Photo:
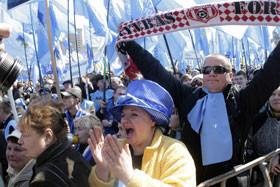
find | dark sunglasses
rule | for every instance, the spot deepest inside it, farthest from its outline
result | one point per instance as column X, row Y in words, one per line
column 216, row 69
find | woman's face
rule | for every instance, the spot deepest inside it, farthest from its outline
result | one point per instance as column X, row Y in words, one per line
column 274, row 100
column 33, row 143
column 82, row 133
column 15, row 156
column 138, row 126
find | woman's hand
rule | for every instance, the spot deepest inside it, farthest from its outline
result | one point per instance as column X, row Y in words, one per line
column 118, row 158
column 275, row 166
column 96, row 143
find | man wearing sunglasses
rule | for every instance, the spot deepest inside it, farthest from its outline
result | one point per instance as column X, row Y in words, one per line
column 215, row 119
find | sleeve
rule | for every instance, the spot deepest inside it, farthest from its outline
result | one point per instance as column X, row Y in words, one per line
column 177, row 169
column 95, row 181
column 152, row 69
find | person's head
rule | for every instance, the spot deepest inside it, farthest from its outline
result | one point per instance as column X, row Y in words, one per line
column 100, row 82
column 216, row 73
column 71, row 98
column 174, row 120
column 41, row 126
column 47, row 91
column 145, row 106
column 67, row 84
column 37, row 88
column 194, row 72
column 20, row 86
column 197, row 81
column 186, row 79
column 241, row 79
column 253, row 73
column 82, row 126
column 233, row 80
column 15, row 156
column 5, row 110
column 116, row 82
column 49, row 82
column 274, row 101
column 120, row 90
column 90, row 76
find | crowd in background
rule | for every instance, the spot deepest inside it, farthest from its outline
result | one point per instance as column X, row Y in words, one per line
column 88, row 110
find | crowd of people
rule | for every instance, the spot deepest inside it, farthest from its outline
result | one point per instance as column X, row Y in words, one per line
column 160, row 129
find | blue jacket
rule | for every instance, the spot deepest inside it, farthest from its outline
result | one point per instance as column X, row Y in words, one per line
column 70, row 119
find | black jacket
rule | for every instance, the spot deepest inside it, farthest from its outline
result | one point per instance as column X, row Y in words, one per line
column 241, row 105
column 60, row 165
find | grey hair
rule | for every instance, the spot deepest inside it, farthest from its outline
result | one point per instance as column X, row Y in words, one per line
column 88, row 122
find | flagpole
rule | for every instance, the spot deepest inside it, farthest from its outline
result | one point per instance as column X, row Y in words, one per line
column 76, row 42
column 194, row 49
column 265, row 49
column 249, row 53
column 28, row 71
column 89, row 27
column 105, row 54
column 69, row 50
column 243, row 48
column 36, row 53
column 51, row 50
column 168, row 49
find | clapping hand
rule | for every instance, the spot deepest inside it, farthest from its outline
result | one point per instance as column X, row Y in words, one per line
column 96, row 143
column 118, row 158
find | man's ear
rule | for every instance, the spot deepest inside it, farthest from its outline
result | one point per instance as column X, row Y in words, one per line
column 230, row 75
column 77, row 100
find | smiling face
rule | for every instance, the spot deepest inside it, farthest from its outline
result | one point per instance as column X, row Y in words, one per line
column 241, row 80
column 15, row 156
column 274, row 100
column 216, row 82
column 138, row 127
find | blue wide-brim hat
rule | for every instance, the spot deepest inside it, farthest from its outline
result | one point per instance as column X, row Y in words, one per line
column 151, row 97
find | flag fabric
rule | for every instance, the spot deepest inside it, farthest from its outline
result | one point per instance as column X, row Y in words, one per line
column 60, row 13
column 14, row 44
column 14, row 3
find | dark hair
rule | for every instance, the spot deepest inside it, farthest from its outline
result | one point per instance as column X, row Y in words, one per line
column 12, row 139
column 44, row 112
column 241, row 73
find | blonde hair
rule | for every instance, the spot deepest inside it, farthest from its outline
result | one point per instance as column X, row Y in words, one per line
column 44, row 112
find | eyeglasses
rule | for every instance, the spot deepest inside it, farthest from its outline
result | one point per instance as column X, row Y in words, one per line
column 216, row 69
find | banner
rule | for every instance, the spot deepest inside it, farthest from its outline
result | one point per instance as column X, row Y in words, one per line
column 227, row 13
column 14, row 3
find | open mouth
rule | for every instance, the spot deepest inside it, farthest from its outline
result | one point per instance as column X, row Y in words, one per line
column 129, row 132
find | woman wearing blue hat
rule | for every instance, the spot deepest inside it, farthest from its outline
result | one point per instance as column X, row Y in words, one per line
column 145, row 157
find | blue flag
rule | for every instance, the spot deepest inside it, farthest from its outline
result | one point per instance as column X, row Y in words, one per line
column 14, row 3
